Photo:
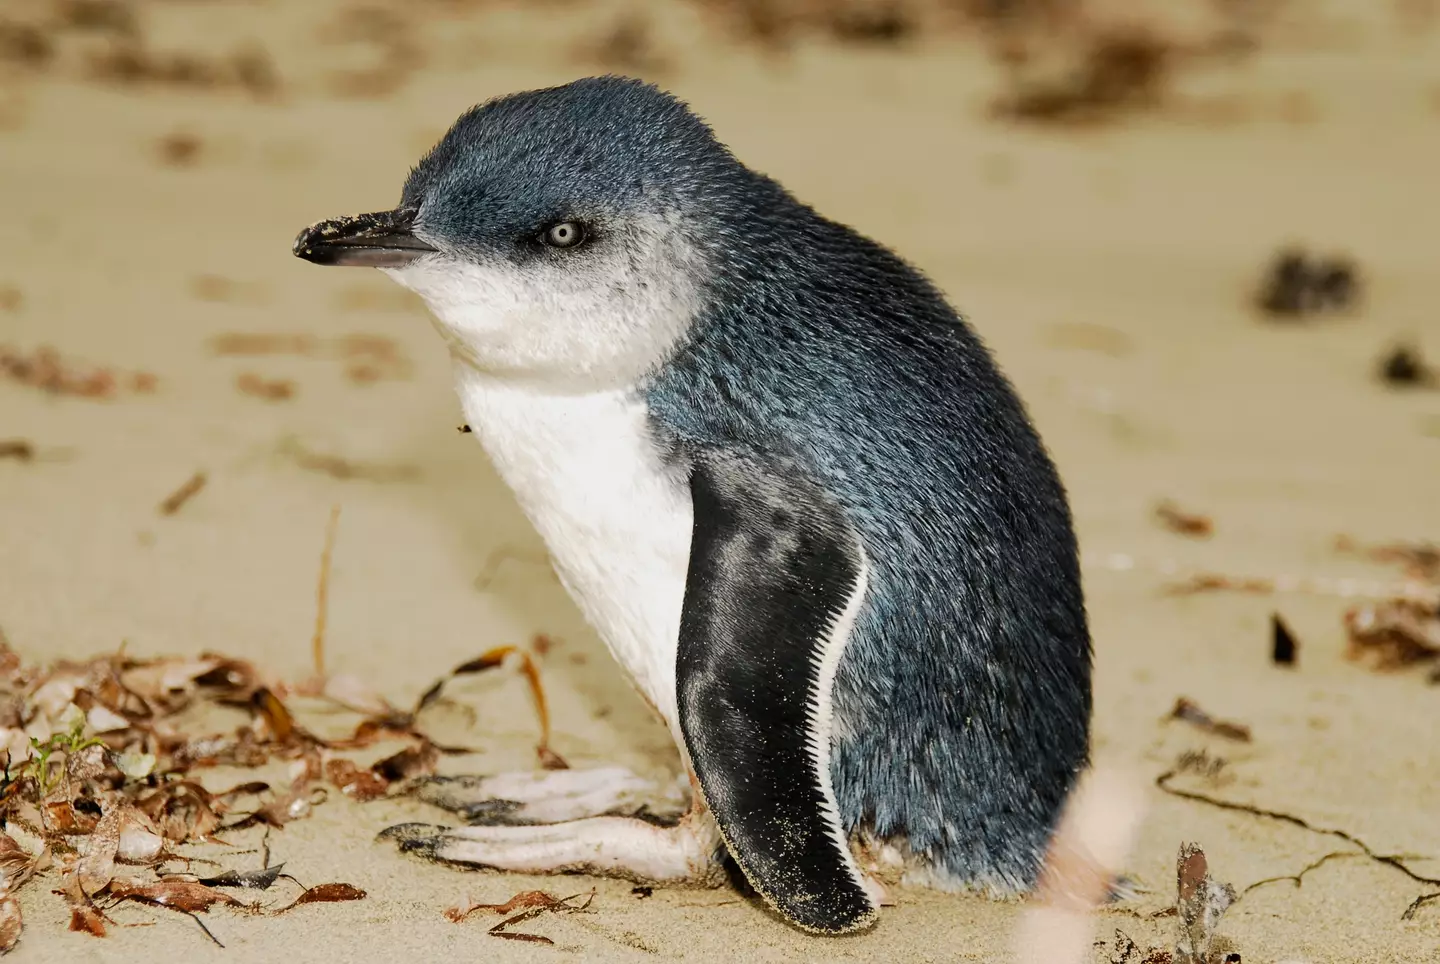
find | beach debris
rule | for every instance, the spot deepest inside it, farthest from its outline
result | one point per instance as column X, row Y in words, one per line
column 322, row 594
column 1298, row 285
column 1404, row 367
column 530, row 904
column 269, row 389
column 1110, row 72
column 339, row 467
column 1190, row 712
column 179, row 149
column 1165, row 783
column 366, row 358
column 102, row 780
column 642, row 891
column 46, row 370
column 1419, row 560
column 262, row 879
column 17, row 448
column 779, row 25
column 1178, row 520
column 190, row 488
column 464, row 430
column 325, row 894
column 1393, row 634
column 1201, row 902
column 628, row 44
column 1284, row 647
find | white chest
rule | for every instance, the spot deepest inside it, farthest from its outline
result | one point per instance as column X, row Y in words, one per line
column 616, row 524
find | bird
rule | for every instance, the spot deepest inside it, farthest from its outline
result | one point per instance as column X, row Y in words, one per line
column 786, row 483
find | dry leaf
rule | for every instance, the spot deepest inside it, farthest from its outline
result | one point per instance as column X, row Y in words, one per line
column 1187, row 710
column 249, row 880
column 354, row 782
column 325, row 894
column 1200, row 903
column 97, row 867
column 11, row 923
column 184, row 895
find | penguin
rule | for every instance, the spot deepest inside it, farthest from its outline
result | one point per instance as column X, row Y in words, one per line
column 786, row 483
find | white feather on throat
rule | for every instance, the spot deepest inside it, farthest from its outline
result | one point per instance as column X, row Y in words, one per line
column 547, row 356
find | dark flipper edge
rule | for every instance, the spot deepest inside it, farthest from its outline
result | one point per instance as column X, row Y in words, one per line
column 776, row 577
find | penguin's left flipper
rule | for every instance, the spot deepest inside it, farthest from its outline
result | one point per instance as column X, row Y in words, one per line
column 776, row 578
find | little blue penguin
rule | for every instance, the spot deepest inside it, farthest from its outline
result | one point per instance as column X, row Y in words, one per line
column 784, row 481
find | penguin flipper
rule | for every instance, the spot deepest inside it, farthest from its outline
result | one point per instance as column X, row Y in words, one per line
column 776, row 576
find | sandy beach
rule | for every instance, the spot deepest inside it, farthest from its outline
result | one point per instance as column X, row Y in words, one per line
column 1111, row 267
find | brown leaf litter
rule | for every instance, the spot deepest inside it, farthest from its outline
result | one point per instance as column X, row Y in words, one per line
column 1299, row 285
column 106, row 40
column 1396, row 627
column 346, row 469
column 1190, row 763
column 105, row 759
column 1183, row 522
column 190, row 488
column 45, row 369
column 1200, row 902
column 22, row 450
column 367, row 358
column 1190, row 712
column 531, row 904
column 269, row 389
column 1403, row 366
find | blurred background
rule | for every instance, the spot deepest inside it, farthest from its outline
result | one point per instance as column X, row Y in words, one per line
column 1200, row 235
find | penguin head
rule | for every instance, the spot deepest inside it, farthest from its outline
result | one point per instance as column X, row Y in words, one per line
column 560, row 233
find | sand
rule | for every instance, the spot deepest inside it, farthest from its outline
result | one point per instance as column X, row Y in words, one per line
column 1110, row 270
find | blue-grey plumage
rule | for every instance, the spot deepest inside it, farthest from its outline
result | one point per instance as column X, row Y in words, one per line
column 767, row 425
column 962, row 703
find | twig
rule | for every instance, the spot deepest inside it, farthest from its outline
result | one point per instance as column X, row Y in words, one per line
column 177, row 499
column 1298, row 877
column 322, row 594
column 1417, row 903
column 196, row 918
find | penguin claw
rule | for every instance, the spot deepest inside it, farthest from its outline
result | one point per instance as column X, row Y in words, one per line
column 622, row 847
column 532, row 798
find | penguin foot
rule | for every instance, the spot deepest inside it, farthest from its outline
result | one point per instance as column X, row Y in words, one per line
column 525, row 798
column 691, row 851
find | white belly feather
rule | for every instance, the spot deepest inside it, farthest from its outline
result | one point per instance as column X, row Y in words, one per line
column 616, row 524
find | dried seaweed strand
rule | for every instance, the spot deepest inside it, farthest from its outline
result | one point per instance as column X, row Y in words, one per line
column 322, row 594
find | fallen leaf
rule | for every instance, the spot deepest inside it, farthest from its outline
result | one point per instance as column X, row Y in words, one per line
column 11, row 923
column 189, row 896
column 325, row 894
column 1187, row 710
column 409, row 763
column 1393, row 634
column 354, row 782
column 1200, row 903
column 249, row 880
column 97, row 867
column 1284, row 646
column 1185, row 523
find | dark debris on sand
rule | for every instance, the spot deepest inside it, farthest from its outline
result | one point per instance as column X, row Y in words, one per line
column 103, row 759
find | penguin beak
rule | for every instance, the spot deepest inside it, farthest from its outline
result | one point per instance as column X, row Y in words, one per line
column 384, row 239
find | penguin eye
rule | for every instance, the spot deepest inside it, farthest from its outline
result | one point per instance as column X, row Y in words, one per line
column 566, row 234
